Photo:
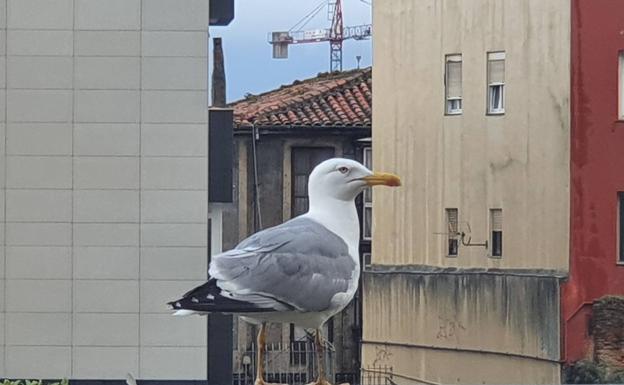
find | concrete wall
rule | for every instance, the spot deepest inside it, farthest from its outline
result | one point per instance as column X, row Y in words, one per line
column 445, row 367
column 481, row 322
column 104, row 184
column 518, row 161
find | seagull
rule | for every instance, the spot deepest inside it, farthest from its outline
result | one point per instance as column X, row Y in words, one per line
column 303, row 271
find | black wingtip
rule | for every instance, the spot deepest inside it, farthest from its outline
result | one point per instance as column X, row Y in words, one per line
column 207, row 298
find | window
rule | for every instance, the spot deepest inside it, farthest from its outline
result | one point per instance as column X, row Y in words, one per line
column 621, row 86
column 620, row 225
column 367, row 257
column 496, row 82
column 453, row 83
column 453, row 232
column 496, row 237
column 304, row 159
column 367, row 206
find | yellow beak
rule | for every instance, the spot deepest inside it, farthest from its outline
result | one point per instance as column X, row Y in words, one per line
column 382, row 178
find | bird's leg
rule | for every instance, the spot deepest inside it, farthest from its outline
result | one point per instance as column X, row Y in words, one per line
column 260, row 355
column 320, row 357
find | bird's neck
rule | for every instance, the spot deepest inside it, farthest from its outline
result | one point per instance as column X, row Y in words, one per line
column 338, row 216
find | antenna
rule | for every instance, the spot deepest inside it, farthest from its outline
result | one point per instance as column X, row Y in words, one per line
column 464, row 234
column 335, row 35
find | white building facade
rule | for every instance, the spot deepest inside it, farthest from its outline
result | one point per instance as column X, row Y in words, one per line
column 103, row 206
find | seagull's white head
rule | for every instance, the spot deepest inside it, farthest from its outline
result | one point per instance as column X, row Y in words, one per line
column 344, row 179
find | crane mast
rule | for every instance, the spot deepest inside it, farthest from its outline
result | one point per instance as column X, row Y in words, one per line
column 335, row 35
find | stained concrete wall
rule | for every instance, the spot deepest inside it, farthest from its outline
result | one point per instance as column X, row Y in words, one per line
column 483, row 323
column 104, row 172
column 446, row 367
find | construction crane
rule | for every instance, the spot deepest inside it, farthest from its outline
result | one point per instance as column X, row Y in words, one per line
column 335, row 35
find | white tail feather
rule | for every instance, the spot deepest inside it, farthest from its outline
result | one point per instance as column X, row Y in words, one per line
column 184, row 313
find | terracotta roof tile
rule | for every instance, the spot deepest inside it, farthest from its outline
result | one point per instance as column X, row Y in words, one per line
column 332, row 100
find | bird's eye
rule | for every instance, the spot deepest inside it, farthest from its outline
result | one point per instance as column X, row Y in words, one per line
column 343, row 170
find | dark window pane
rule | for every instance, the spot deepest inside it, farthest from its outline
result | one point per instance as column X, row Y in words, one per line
column 497, row 243
column 300, row 187
column 621, row 225
column 300, row 161
column 304, row 159
column 453, row 245
column 368, row 222
column 368, row 195
column 300, row 206
column 452, row 228
column 368, row 158
column 496, row 98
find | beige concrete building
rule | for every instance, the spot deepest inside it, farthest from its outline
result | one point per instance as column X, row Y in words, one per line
column 103, row 151
column 471, row 108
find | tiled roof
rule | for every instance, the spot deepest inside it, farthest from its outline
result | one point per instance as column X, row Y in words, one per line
column 340, row 99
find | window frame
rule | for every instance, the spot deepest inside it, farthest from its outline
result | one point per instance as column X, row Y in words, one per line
column 619, row 225
column 492, row 56
column 450, row 236
column 303, row 151
column 491, row 109
column 367, row 160
column 448, row 59
column 621, row 85
column 492, row 235
column 367, row 260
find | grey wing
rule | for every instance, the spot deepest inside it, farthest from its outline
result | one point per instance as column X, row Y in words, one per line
column 299, row 265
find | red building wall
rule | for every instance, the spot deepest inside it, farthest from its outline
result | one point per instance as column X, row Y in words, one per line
column 597, row 166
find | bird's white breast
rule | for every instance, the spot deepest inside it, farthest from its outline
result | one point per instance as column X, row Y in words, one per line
column 342, row 220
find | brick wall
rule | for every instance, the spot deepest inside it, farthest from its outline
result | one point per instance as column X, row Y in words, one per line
column 608, row 331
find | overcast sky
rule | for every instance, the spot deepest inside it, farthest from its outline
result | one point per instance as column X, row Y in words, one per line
column 249, row 67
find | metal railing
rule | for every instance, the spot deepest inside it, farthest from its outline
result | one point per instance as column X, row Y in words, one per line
column 293, row 363
column 377, row 375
